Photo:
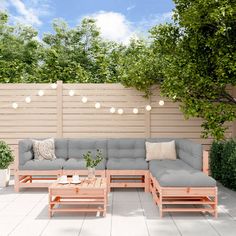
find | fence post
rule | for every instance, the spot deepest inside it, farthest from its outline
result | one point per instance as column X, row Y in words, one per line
column 148, row 119
column 59, row 109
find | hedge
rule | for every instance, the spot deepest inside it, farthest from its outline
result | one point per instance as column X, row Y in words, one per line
column 223, row 162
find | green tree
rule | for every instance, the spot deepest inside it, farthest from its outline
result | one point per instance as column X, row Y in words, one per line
column 18, row 52
column 196, row 57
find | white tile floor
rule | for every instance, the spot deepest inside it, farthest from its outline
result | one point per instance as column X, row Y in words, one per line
column 130, row 213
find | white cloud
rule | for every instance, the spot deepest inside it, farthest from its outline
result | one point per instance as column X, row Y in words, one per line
column 130, row 7
column 26, row 15
column 27, row 12
column 156, row 19
column 114, row 26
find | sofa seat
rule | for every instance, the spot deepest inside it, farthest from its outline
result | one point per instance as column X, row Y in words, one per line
column 56, row 164
column 176, row 173
column 127, row 164
column 79, row 164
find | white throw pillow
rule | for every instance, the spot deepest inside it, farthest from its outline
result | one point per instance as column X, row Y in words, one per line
column 160, row 151
column 44, row 149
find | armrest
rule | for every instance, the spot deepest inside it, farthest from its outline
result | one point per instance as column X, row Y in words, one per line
column 205, row 162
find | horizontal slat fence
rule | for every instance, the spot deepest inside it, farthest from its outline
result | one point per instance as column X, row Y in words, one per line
column 57, row 114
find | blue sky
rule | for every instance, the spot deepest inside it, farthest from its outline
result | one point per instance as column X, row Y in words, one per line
column 118, row 19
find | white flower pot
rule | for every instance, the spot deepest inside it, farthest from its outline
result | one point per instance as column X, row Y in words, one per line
column 4, row 177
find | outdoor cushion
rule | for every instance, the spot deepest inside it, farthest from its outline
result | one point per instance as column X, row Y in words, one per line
column 25, row 151
column 127, row 164
column 44, row 149
column 61, row 148
column 176, row 173
column 43, row 165
column 160, row 151
column 79, row 164
column 186, row 150
column 78, row 147
column 126, row 148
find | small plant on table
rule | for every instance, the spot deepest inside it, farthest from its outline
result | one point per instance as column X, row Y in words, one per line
column 91, row 162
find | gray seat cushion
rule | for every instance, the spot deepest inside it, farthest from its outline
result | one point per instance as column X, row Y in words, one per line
column 61, row 148
column 79, row 164
column 78, row 147
column 126, row 148
column 176, row 173
column 56, row 164
column 127, row 164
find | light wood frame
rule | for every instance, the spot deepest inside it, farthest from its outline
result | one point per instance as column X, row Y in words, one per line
column 27, row 178
column 118, row 175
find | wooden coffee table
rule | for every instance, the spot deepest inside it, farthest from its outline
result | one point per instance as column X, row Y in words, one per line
column 88, row 196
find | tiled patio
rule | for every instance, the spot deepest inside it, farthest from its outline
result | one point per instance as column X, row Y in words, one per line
column 130, row 212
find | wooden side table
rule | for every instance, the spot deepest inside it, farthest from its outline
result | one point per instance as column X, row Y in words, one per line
column 88, row 193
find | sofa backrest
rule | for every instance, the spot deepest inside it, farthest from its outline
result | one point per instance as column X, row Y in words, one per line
column 26, row 149
column 126, row 148
column 78, row 147
column 188, row 151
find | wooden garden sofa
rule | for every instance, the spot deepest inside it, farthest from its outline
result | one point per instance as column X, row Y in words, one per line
column 183, row 185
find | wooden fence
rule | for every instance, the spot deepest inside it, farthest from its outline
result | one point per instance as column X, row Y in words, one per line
column 57, row 114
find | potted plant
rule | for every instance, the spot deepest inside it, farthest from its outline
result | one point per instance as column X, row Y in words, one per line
column 6, row 158
column 91, row 162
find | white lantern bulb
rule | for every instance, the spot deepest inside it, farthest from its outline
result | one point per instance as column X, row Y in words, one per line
column 28, row 99
column 71, row 93
column 40, row 93
column 84, row 99
column 112, row 110
column 135, row 110
column 148, row 108
column 14, row 105
column 97, row 105
column 161, row 103
column 54, row 86
column 120, row 111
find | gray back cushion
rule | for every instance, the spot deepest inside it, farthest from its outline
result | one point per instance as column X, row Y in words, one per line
column 25, row 149
column 126, row 148
column 78, row 147
column 61, row 148
column 188, row 151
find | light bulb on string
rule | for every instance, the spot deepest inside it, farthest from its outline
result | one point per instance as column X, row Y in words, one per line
column 135, row 110
column 14, row 105
column 97, row 105
column 28, row 99
column 40, row 93
column 148, row 108
column 120, row 111
column 112, row 110
column 84, row 99
column 71, row 93
column 161, row 103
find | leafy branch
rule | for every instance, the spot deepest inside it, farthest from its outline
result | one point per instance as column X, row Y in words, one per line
column 93, row 162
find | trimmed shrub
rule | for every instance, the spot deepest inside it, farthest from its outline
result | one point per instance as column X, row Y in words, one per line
column 223, row 162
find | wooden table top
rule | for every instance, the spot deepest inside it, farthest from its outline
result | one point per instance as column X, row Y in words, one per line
column 97, row 183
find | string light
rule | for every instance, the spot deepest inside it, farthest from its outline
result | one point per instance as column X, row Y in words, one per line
column 97, row 105
column 14, row 105
column 71, row 93
column 120, row 111
column 28, row 99
column 54, row 86
column 161, row 103
column 84, row 99
column 112, row 110
column 135, row 110
column 148, row 108
column 40, row 93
